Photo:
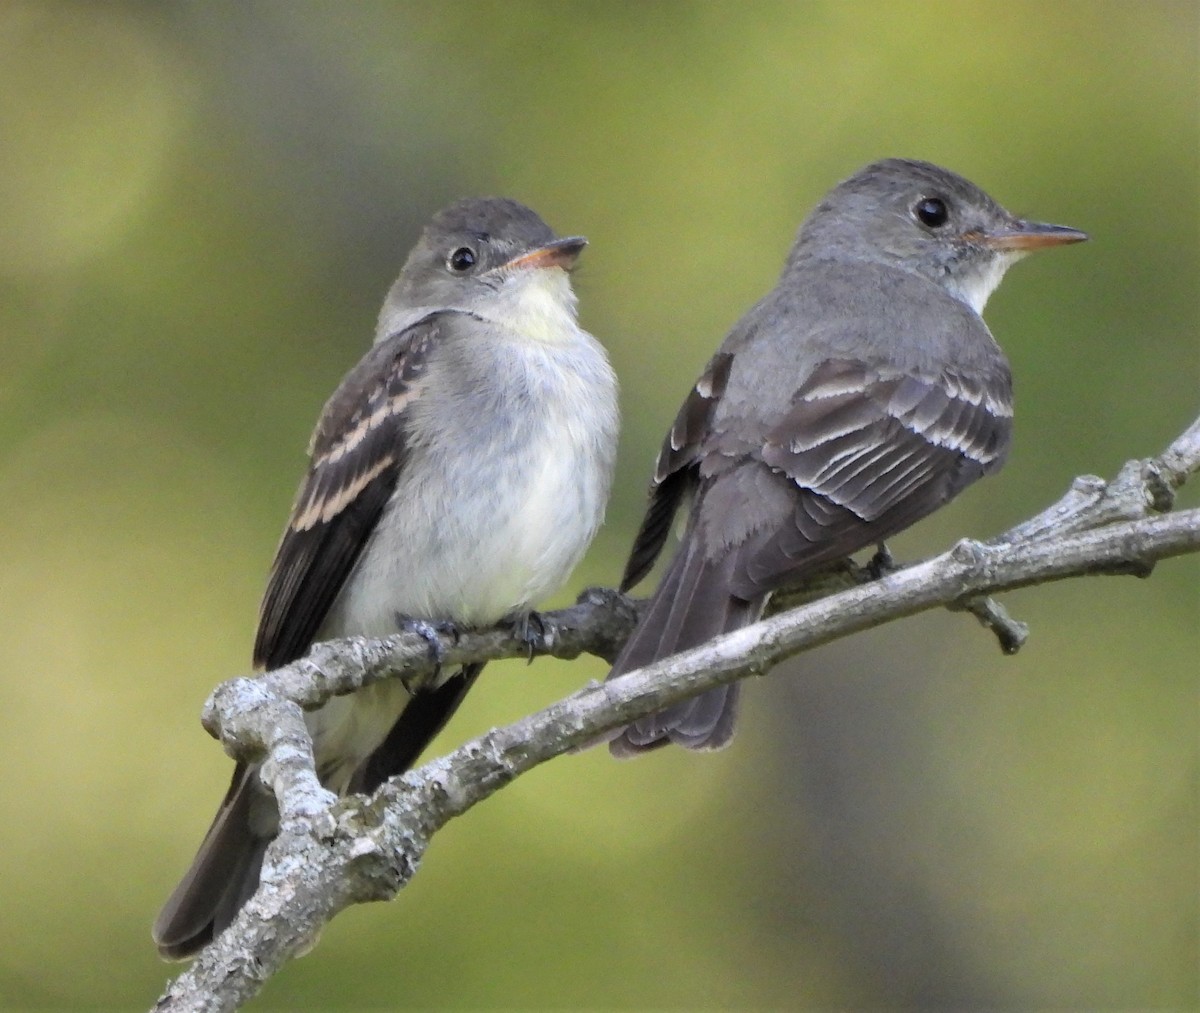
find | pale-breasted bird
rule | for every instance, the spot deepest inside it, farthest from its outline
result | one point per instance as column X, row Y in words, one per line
column 457, row 474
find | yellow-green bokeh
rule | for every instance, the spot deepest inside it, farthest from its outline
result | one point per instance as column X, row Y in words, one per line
column 201, row 206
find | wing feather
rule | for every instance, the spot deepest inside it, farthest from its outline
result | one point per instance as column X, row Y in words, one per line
column 871, row 452
column 674, row 471
column 356, row 454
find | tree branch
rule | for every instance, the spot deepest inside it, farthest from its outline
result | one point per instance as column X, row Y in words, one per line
column 333, row 852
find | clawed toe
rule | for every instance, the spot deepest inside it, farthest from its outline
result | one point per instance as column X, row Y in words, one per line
column 530, row 629
column 431, row 631
column 882, row 563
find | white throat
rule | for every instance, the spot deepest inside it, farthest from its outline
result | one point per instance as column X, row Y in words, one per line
column 538, row 303
column 978, row 286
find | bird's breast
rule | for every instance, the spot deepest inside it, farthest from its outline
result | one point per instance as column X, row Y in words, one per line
column 503, row 488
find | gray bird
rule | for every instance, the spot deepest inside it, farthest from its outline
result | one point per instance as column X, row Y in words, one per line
column 859, row 395
column 457, row 474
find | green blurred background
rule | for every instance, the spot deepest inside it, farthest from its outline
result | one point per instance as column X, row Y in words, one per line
column 201, row 207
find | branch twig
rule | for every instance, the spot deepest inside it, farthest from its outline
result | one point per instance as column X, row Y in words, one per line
column 331, row 852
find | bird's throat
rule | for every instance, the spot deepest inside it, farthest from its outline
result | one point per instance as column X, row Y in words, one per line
column 538, row 304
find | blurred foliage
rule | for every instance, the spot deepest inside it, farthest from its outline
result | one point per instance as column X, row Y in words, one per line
column 201, row 206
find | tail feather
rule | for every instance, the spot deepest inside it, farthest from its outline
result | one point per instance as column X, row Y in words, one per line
column 225, row 872
column 703, row 714
column 223, row 875
column 423, row 717
column 692, row 605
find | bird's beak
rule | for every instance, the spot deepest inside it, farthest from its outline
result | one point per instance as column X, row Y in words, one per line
column 1020, row 236
column 560, row 253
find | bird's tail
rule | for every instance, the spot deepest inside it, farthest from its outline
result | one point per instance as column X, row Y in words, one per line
column 691, row 605
column 224, row 873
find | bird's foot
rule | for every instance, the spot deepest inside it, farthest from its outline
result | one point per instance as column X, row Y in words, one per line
column 431, row 631
column 530, row 629
column 882, row 563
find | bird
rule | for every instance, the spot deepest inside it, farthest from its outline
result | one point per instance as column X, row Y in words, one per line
column 863, row 392
column 456, row 475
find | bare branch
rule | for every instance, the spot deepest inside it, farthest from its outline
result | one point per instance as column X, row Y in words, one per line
column 331, row 852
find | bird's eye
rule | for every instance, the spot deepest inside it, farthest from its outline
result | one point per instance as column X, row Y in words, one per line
column 462, row 259
column 931, row 212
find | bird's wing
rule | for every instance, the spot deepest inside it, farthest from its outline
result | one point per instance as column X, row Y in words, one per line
column 871, row 450
column 673, row 471
column 356, row 454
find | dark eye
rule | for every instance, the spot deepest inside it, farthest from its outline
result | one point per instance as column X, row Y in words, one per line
column 462, row 259
column 931, row 212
